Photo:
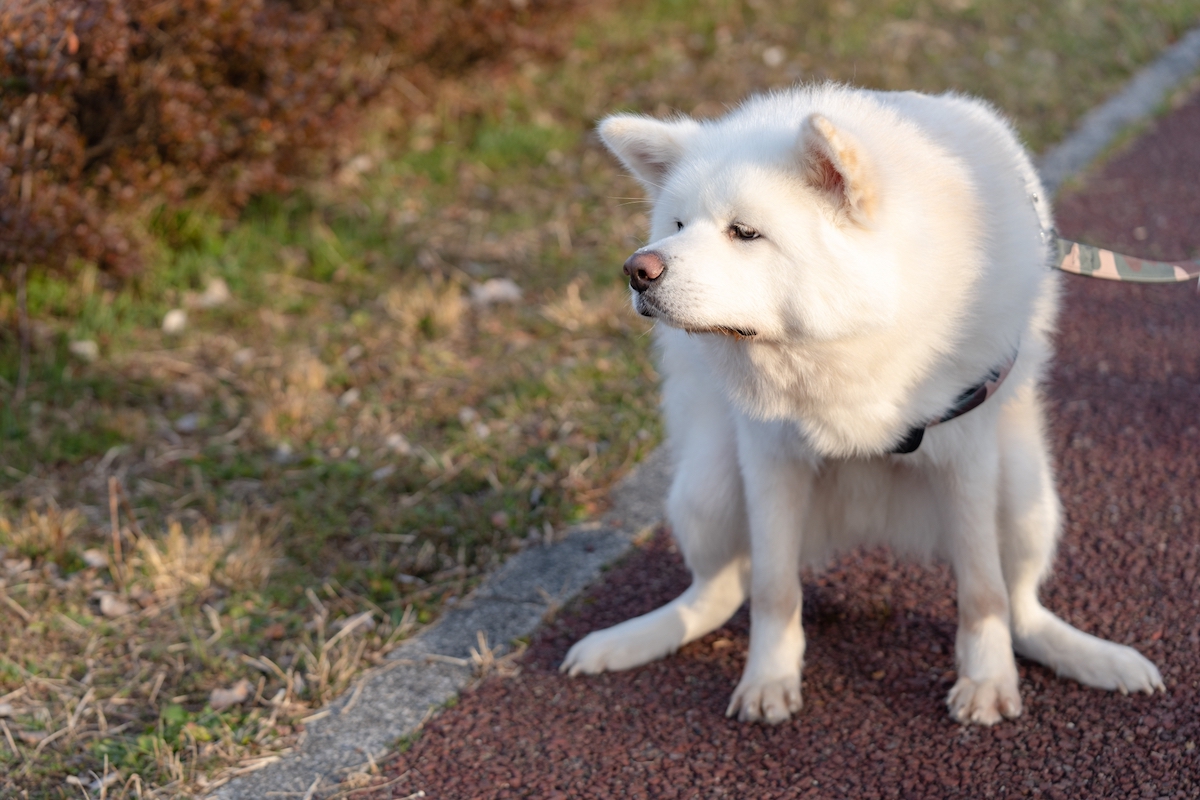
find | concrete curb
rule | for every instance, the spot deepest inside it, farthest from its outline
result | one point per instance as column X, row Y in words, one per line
column 1140, row 98
column 395, row 699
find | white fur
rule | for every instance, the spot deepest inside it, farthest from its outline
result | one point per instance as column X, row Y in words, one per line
column 901, row 258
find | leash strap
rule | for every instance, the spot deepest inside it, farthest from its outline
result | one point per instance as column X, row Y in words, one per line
column 1096, row 262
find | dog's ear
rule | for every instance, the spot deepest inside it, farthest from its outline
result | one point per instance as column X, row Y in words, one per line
column 649, row 148
column 834, row 164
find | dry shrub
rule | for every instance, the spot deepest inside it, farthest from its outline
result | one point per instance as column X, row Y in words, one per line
column 241, row 558
column 249, row 564
column 254, row 549
column 603, row 308
column 108, row 105
column 332, row 658
column 179, row 562
column 42, row 533
column 299, row 401
column 430, row 307
column 305, row 401
column 444, row 36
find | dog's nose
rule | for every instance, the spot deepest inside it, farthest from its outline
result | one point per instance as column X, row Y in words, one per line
column 644, row 269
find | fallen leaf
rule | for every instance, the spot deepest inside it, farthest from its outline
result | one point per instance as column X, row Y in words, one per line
column 221, row 699
column 112, row 606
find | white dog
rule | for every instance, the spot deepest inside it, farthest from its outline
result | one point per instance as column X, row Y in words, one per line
column 834, row 272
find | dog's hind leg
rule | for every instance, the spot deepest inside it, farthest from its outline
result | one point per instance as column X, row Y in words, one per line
column 986, row 690
column 707, row 513
column 1029, row 523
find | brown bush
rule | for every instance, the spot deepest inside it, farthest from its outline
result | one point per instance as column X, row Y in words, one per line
column 109, row 104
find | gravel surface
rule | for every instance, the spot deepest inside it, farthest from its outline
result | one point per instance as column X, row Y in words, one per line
column 1126, row 436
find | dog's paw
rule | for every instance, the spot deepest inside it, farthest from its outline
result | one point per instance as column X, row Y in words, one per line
column 771, row 700
column 611, row 650
column 1114, row 667
column 984, row 702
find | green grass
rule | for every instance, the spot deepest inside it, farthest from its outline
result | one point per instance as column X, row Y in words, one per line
column 348, row 433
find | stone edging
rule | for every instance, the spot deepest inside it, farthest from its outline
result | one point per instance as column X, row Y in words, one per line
column 394, row 700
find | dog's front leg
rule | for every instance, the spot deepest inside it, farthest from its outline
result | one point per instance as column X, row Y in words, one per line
column 778, row 492
column 986, row 689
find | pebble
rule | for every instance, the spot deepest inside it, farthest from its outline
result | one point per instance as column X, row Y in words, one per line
column 397, row 443
column 215, row 294
column 494, row 291
column 85, row 350
column 174, row 321
column 283, row 453
column 774, row 56
column 112, row 606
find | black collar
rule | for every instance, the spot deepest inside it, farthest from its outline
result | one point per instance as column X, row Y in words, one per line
column 972, row 397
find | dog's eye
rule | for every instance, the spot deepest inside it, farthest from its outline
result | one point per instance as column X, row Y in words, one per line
column 744, row 232
column 678, row 225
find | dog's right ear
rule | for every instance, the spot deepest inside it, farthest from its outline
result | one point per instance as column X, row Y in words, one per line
column 649, row 148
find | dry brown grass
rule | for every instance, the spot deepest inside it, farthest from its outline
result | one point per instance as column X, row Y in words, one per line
column 88, row 663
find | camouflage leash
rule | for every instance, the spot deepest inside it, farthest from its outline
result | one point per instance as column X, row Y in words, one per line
column 1095, row 262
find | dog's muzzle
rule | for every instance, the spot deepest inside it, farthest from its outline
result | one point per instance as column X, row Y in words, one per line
column 643, row 269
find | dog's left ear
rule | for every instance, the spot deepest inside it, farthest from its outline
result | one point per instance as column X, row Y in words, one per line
column 834, row 164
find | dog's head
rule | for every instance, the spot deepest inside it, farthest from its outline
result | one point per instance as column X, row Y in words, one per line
column 762, row 228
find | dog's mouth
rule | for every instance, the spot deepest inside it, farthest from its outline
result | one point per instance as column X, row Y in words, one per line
column 646, row 306
column 725, row 330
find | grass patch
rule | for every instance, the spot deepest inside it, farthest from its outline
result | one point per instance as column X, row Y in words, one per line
column 340, row 437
